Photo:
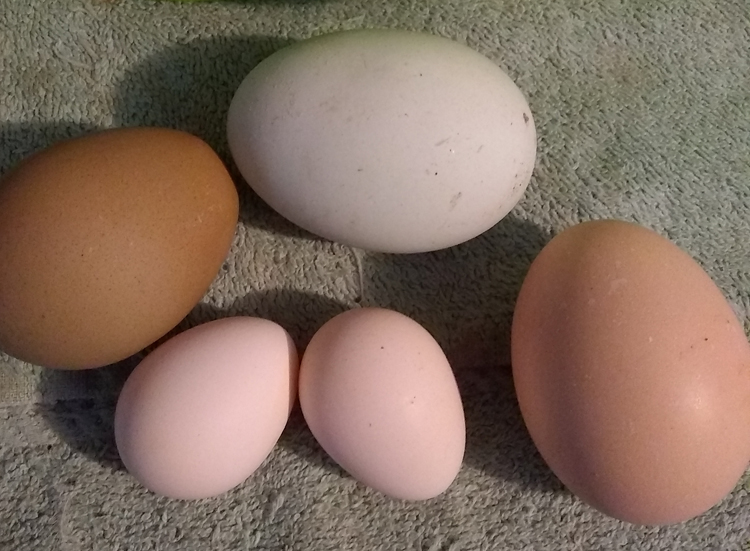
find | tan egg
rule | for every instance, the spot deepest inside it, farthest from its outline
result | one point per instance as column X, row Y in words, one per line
column 632, row 373
column 107, row 241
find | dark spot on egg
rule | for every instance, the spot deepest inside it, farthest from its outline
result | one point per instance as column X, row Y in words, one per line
column 525, row 118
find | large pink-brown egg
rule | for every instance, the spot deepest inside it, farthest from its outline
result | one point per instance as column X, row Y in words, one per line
column 632, row 373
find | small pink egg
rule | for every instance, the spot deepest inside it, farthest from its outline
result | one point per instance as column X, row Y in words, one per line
column 380, row 397
column 203, row 411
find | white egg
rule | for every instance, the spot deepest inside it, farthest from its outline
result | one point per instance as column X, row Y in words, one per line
column 388, row 140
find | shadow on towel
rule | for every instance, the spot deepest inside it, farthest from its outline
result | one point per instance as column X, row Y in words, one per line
column 464, row 295
column 189, row 86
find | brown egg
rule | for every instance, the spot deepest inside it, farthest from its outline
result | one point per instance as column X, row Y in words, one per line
column 632, row 373
column 107, row 241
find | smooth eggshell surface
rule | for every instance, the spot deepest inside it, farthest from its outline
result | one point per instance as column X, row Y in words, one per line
column 379, row 396
column 202, row 412
column 388, row 140
column 107, row 241
column 632, row 373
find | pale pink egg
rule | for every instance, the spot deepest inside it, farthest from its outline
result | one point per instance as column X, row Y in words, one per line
column 380, row 397
column 203, row 411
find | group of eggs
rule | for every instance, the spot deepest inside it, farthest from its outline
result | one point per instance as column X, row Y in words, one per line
column 631, row 369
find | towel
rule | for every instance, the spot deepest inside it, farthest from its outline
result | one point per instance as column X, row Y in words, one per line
column 643, row 114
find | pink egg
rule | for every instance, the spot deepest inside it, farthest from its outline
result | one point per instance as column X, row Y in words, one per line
column 203, row 411
column 380, row 397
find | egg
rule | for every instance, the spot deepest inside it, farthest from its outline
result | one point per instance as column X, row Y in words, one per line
column 388, row 140
column 379, row 396
column 202, row 412
column 107, row 241
column 632, row 373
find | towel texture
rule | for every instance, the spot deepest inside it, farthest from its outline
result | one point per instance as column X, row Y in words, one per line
column 642, row 112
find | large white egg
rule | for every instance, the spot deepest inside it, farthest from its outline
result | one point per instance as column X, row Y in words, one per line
column 388, row 140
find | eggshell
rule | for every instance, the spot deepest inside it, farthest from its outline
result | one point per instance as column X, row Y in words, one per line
column 388, row 140
column 202, row 412
column 107, row 241
column 632, row 373
column 379, row 396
